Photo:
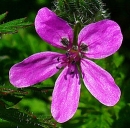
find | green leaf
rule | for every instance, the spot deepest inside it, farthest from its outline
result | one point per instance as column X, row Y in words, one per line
column 2, row 16
column 13, row 26
column 23, row 120
column 18, row 118
column 9, row 96
column 10, row 100
column 118, row 59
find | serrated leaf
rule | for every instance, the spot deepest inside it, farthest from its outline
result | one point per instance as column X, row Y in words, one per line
column 11, row 90
column 21, row 119
column 9, row 97
column 17, row 117
column 10, row 100
column 2, row 16
column 13, row 26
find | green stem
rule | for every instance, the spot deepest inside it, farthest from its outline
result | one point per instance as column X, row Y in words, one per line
column 77, row 28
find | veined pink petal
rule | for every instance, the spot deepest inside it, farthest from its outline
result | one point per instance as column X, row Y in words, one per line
column 100, row 83
column 103, row 38
column 52, row 29
column 34, row 69
column 66, row 95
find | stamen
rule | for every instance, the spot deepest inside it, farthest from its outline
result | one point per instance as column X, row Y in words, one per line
column 71, row 72
column 73, row 62
column 58, row 59
column 58, row 67
column 83, row 47
column 75, row 47
column 65, row 42
column 67, row 54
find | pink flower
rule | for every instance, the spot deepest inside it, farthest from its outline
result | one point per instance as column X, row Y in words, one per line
column 95, row 41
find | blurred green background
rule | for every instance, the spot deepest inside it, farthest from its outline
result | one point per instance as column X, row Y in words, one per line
column 36, row 101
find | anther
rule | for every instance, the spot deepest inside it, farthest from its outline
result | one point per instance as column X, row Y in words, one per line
column 74, row 47
column 57, row 67
column 67, row 54
column 71, row 72
column 73, row 62
column 83, row 47
column 58, row 59
column 64, row 41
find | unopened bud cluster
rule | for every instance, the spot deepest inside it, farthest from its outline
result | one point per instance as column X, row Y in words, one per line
column 84, row 11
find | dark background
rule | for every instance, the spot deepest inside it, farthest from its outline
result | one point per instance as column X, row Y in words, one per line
column 120, row 12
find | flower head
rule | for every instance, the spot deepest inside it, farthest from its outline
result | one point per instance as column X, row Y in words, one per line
column 95, row 41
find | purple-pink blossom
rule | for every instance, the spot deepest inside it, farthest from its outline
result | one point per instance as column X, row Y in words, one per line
column 95, row 41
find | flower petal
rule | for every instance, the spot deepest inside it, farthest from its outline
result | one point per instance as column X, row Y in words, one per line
column 34, row 69
column 100, row 83
column 52, row 29
column 66, row 95
column 103, row 38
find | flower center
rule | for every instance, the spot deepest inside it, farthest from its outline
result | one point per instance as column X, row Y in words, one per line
column 72, row 56
column 75, row 52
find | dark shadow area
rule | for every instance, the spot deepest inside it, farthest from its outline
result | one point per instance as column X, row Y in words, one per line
column 21, row 8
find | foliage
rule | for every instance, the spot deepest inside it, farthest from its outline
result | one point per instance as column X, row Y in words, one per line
column 12, row 26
